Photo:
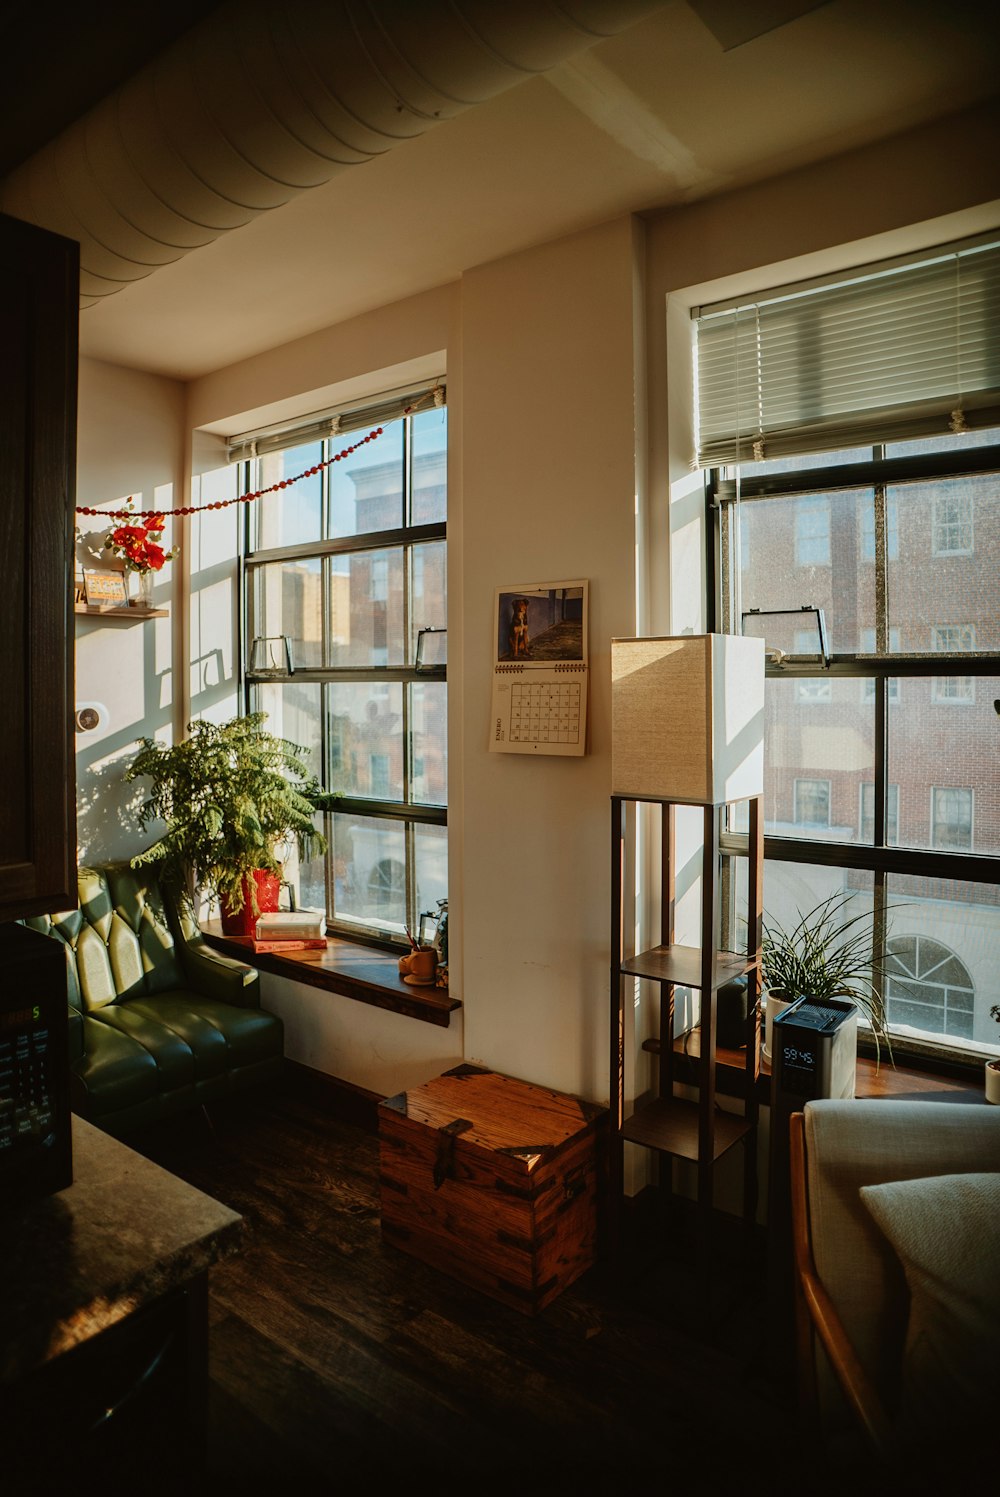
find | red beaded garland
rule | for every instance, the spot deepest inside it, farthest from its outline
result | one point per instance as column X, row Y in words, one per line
column 195, row 509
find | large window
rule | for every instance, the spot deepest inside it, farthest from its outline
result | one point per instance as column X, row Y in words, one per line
column 839, row 482
column 345, row 606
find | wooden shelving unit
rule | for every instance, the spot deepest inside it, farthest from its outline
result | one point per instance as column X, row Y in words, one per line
column 697, row 1131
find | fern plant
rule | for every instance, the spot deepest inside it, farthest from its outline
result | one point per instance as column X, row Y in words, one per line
column 828, row 954
column 228, row 793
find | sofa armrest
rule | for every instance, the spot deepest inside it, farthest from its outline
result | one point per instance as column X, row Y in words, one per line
column 815, row 1315
column 218, row 976
column 207, row 970
column 76, row 1045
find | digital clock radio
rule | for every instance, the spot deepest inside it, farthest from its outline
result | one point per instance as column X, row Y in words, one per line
column 35, row 1138
column 814, row 1052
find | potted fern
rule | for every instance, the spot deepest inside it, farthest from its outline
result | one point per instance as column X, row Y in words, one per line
column 228, row 793
column 826, row 954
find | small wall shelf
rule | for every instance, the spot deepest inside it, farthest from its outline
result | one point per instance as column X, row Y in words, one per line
column 133, row 614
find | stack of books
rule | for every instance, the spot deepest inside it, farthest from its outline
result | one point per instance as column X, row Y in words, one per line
column 287, row 930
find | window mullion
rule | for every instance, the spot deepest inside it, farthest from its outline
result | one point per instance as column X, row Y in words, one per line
column 881, row 755
column 881, row 592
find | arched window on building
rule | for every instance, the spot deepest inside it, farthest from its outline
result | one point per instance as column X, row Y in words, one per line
column 927, row 987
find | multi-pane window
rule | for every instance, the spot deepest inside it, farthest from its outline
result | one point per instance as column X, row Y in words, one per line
column 952, row 525
column 346, row 567
column 849, row 430
column 930, row 860
column 951, row 816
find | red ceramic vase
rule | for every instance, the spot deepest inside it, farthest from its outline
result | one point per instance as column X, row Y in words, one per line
column 244, row 922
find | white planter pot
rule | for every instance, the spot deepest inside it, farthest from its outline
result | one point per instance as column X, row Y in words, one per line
column 772, row 1007
column 993, row 1081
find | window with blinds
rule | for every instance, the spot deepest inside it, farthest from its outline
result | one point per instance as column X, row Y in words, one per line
column 849, row 430
column 902, row 349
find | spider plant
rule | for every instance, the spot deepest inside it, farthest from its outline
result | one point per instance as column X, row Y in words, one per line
column 828, row 954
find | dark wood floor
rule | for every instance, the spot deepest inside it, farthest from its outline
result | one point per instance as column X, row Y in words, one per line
column 337, row 1358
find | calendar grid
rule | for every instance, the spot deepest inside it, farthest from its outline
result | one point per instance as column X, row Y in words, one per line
column 545, row 712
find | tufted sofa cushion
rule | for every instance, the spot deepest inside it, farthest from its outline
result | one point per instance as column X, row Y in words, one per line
column 158, row 1021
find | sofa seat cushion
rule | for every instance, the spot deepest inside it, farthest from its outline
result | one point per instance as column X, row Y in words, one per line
column 116, row 1072
column 220, row 1035
column 172, row 1055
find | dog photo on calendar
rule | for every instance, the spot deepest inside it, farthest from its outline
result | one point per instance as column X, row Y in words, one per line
column 540, row 623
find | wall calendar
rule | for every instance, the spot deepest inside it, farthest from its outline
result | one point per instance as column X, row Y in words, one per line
column 540, row 669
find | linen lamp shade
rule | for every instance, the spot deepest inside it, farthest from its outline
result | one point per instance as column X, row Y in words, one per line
column 687, row 718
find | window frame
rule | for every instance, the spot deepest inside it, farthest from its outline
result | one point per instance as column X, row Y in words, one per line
column 725, row 492
column 409, row 538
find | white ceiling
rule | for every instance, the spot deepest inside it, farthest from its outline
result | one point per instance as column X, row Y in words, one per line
column 659, row 115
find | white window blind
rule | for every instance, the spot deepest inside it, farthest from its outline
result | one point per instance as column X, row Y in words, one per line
column 335, row 422
column 880, row 353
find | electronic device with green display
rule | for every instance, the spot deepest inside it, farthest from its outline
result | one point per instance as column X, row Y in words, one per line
column 35, row 1123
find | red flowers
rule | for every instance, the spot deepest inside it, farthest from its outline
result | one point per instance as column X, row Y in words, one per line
column 138, row 545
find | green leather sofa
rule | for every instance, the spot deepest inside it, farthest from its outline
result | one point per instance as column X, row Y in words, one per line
column 158, row 1021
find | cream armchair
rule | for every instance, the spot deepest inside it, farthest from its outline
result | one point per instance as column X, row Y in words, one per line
column 896, row 1230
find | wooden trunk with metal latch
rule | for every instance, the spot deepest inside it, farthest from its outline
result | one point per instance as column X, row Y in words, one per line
column 494, row 1181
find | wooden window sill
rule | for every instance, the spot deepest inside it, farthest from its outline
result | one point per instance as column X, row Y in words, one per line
column 364, row 973
column 905, row 1079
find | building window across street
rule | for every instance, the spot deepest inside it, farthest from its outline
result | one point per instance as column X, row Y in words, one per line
column 951, row 817
column 952, row 639
column 952, row 525
column 812, row 802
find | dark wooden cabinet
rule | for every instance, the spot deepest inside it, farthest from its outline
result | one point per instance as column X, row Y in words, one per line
column 39, row 323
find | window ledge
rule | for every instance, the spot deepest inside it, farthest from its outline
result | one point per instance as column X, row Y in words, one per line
column 907, row 1079
column 364, row 973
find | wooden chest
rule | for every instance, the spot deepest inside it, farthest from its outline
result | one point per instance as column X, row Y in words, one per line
column 493, row 1181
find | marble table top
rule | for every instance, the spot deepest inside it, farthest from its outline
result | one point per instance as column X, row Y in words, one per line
column 122, row 1235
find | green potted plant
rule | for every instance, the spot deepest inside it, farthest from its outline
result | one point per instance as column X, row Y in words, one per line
column 826, row 954
column 229, row 793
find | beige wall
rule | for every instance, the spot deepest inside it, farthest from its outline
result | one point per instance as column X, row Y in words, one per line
column 131, row 441
column 549, row 488
column 557, row 368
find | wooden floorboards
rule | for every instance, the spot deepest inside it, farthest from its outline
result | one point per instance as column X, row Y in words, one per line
column 335, row 1358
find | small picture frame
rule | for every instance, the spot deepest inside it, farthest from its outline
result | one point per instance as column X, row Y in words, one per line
column 105, row 590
